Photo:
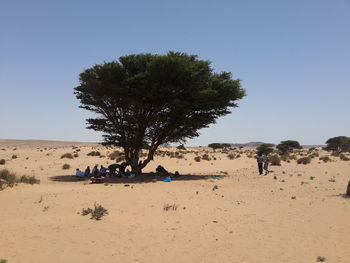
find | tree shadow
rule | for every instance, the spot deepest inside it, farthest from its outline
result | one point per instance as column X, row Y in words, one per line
column 342, row 196
column 144, row 178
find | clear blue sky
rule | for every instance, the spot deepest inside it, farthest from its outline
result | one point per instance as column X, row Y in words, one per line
column 293, row 58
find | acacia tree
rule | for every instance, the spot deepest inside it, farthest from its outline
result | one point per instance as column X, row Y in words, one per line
column 338, row 144
column 265, row 148
column 148, row 100
column 287, row 146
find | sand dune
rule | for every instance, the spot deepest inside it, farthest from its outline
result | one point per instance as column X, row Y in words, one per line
column 238, row 216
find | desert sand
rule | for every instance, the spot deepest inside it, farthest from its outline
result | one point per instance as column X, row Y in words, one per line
column 225, row 212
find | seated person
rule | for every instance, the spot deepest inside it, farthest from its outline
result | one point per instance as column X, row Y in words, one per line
column 87, row 172
column 79, row 173
column 112, row 168
column 95, row 172
column 161, row 170
column 103, row 171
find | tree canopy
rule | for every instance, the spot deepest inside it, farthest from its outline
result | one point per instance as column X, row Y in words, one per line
column 147, row 99
column 338, row 144
column 219, row 145
column 265, row 148
column 288, row 146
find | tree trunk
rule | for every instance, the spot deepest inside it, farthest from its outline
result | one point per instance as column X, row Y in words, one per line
column 135, row 166
column 348, row 190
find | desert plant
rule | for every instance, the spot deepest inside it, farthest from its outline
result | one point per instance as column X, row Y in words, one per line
column 197, row 158
column 94, row 153
column 231, row 156
column 275, row 160
column 265, row 148
column 304, row 160
column 97, row 213
column 29, row 179
column 325, row 159
column 167, row 207
column 76, row 155
column 320, row 259
column 65, row 166
column 117, row 156
column 67, row 155
column 3, row 261
column 343, row 157
column 7, row 178
column 2, row 161
column 206, row 157
column 181, row 147
column 14, row 156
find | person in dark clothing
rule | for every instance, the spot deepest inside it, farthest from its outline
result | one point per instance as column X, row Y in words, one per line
column 260, row 161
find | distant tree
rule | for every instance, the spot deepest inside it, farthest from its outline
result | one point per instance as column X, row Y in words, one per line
column 150, row 100
column 219, row 145
column 181, row 147
column 265, row 148
column 288, row 146
column 338, row 144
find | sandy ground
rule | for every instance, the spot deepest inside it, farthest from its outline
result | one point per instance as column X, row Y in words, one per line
column 248, row 218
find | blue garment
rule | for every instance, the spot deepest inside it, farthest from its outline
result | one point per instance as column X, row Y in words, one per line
column 167, row 179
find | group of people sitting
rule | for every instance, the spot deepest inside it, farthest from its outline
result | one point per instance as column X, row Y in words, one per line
column 113, row 170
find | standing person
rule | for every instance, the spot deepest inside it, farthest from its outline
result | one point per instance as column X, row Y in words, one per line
column 266, row 163
column 260, row 161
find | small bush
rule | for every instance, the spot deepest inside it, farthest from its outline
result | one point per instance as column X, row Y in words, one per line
column 2, row 161
column 206, row 157
column 67, row 155
column 181, row 147
column 197, row 158
column 3, row 261
column 14, row 156
column 117, row 156
column 76, row 155
column 343, row 157
column 325, row 159
column 97, row 213
column 29, row 180
column 7, row 178
column 168, row 207
column 65, row 166
column 304, row 160
column 231, row 156
column 275, row 160
column 94, row 153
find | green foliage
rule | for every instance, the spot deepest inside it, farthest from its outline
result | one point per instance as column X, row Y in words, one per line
column 275, row 160
column 67, row 155
column 338, row 144
column 219, row 145
column 65, row 166
column 155, row 99
column 265, row 148
column 3, row 261
column 94, row 153
column 304, row 160
column 97, row 213
column 181, row 147
column 2, row 161
column 288, row 146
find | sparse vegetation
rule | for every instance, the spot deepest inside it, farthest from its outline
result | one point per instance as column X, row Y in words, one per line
column 14, row 156
column 8, row 178
column 197, row 158
column 206, row 157
column 343, row 157
column 275, row 160
column 117, row 156
column 167, row 207
column 97, row 213
column 304, row 160
column 219, row 145
column 231, row 156
column 67, row 155
column 325, row 159
column 2, row 161
column 65, row 166
column 94, row 153
column 181, row 147
column 321, row 259
column 265, row 148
